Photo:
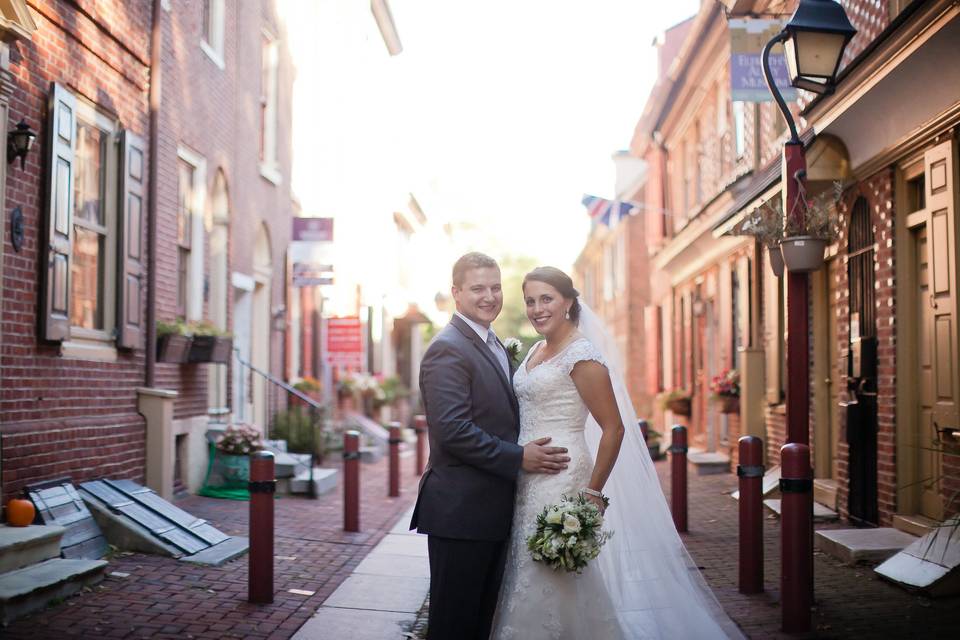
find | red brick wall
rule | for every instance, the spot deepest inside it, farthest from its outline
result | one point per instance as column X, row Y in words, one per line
column 878, row 191
column 62, row 416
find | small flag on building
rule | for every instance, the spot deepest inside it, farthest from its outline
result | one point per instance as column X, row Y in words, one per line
column 608, row 212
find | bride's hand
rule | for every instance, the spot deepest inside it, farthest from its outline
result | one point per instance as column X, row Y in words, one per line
column 597, row 501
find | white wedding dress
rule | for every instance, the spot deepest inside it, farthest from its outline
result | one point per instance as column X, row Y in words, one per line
column 643, row 584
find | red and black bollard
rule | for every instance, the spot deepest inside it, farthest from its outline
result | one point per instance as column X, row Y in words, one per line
column 750, row 472
column 351, row 481
column 262, row 487
column 644, row 428
column 394, row 442
column 796, row 531
column 678, row 478
column 420, row 427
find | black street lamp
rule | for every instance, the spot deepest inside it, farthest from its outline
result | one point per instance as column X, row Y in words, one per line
column 19, row 142
column 813, row 41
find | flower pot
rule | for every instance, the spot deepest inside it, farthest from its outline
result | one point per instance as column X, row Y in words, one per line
column 222, row 348
column 729, row 404
column 776, row 259
column 803, row 254
column 173, row 348
column 679, row 406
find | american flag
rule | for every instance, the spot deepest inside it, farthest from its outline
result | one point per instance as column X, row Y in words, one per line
column 608, row 212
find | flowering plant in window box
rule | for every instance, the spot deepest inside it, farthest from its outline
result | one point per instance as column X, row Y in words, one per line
column 240, row 440
column 173, row 341
column 725, row 388
column 210, row 343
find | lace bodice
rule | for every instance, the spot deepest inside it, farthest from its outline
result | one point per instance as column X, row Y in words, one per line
column 537, row 603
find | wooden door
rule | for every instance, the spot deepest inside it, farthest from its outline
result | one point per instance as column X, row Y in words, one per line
column 928, row 461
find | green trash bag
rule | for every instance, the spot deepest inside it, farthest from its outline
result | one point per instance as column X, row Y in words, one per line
column 227, row 476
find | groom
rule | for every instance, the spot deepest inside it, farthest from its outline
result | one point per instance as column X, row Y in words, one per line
column 466, row 496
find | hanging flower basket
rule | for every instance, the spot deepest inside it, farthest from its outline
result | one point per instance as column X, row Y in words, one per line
column 679, row 406
column 803, row 254
column 729, row 404
column 776, row 259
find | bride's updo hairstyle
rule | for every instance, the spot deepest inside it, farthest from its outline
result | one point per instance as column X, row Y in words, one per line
column 559, row 281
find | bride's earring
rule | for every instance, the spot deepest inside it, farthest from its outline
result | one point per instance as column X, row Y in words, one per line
column 566, row 315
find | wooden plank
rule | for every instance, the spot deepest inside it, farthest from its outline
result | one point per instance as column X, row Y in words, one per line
column 167, row 510
column 93, row 548
column 183, row 540
column 80, row 532
column 147, row 518
column 210, row 534
column 106, row 494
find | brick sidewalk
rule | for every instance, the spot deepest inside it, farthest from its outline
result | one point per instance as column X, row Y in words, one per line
column 850, row 602
column 165, row 598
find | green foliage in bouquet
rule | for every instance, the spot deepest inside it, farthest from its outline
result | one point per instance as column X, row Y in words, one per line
column 569, row 534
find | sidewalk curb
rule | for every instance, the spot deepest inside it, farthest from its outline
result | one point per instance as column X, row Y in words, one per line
column 383, row 595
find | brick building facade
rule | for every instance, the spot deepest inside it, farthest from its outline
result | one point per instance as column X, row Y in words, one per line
column 883, row 442
column 74, row 290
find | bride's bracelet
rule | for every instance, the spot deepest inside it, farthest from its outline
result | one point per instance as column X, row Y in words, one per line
column 596, row 494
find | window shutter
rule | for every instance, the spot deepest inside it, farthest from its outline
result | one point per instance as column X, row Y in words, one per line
column 61, row 142
column 941, row 185
column 130, row 268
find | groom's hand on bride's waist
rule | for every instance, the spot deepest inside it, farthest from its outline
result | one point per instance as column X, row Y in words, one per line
column 539, row 458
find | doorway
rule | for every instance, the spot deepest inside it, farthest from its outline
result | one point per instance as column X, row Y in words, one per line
column 862, row 373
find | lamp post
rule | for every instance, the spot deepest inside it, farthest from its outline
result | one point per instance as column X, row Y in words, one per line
column 814, row 40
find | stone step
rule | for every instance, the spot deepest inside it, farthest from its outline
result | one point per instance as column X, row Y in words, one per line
column 770, row 487
column 324, row 480
column 825, row 492
column 708, row 463
column 32, row 588
column 22, row 546
column 820, row 512
column 868, row 546
column 914, row 524
column 930, row 564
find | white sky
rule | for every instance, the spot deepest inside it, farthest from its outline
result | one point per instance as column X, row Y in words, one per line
column 499, row 114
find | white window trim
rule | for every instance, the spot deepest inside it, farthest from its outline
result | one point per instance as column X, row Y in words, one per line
column 214, row 50
column 269, row 165
column 195, row 271
column 99, row 344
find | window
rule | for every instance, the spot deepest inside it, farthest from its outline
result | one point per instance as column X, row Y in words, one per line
column 212, row 18
column 191, row 199
column 184, row 233
column 739, row 130
column 268, row 108
column 92, row 245
column 90, row 229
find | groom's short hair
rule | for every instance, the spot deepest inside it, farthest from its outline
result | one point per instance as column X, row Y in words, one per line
column 472, row 260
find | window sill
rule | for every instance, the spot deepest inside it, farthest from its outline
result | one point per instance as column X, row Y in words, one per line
column 94, row 350
column 213, row 54
column 271, row 173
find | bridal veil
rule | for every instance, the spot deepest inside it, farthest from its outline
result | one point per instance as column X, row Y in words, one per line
column 657, row 589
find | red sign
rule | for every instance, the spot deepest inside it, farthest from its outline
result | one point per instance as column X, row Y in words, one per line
column 345, row 342
column 312, row 229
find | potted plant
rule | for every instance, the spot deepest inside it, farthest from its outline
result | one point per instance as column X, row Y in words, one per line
column 803, row 244
column 725, row 389
column 676, row 401
column 234, row 447
column 766, row 225
column 346, row 390
column 173, row 341
column 210, row 343
column 308, row 386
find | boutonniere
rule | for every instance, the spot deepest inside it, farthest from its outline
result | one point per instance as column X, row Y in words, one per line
column 513, row 346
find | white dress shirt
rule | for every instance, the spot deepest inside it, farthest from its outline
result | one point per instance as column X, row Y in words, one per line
column 490, row 338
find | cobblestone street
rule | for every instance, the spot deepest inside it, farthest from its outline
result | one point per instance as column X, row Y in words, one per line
column 850, row 602
column 165, row 598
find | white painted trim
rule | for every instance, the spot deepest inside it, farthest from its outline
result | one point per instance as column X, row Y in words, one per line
column 242, row 281
column 195, row 274
column 271, row 173
column 95, row 350
column 214, row 56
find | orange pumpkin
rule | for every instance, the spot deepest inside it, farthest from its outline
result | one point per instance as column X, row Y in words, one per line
column 20, row 512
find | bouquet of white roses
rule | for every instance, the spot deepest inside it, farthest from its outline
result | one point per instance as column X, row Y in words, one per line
column 568, row 534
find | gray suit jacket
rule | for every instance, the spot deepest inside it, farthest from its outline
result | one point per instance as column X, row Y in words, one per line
column 473, row 420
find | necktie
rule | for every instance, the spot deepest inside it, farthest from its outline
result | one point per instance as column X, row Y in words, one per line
column 498, row 353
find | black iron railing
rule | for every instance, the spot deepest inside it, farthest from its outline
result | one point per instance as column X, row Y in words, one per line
column 289, row 414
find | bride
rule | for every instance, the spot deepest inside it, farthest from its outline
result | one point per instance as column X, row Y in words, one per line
column 643, row 584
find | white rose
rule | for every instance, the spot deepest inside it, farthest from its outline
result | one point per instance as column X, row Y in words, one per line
column 571, row 524
column 554, row 516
